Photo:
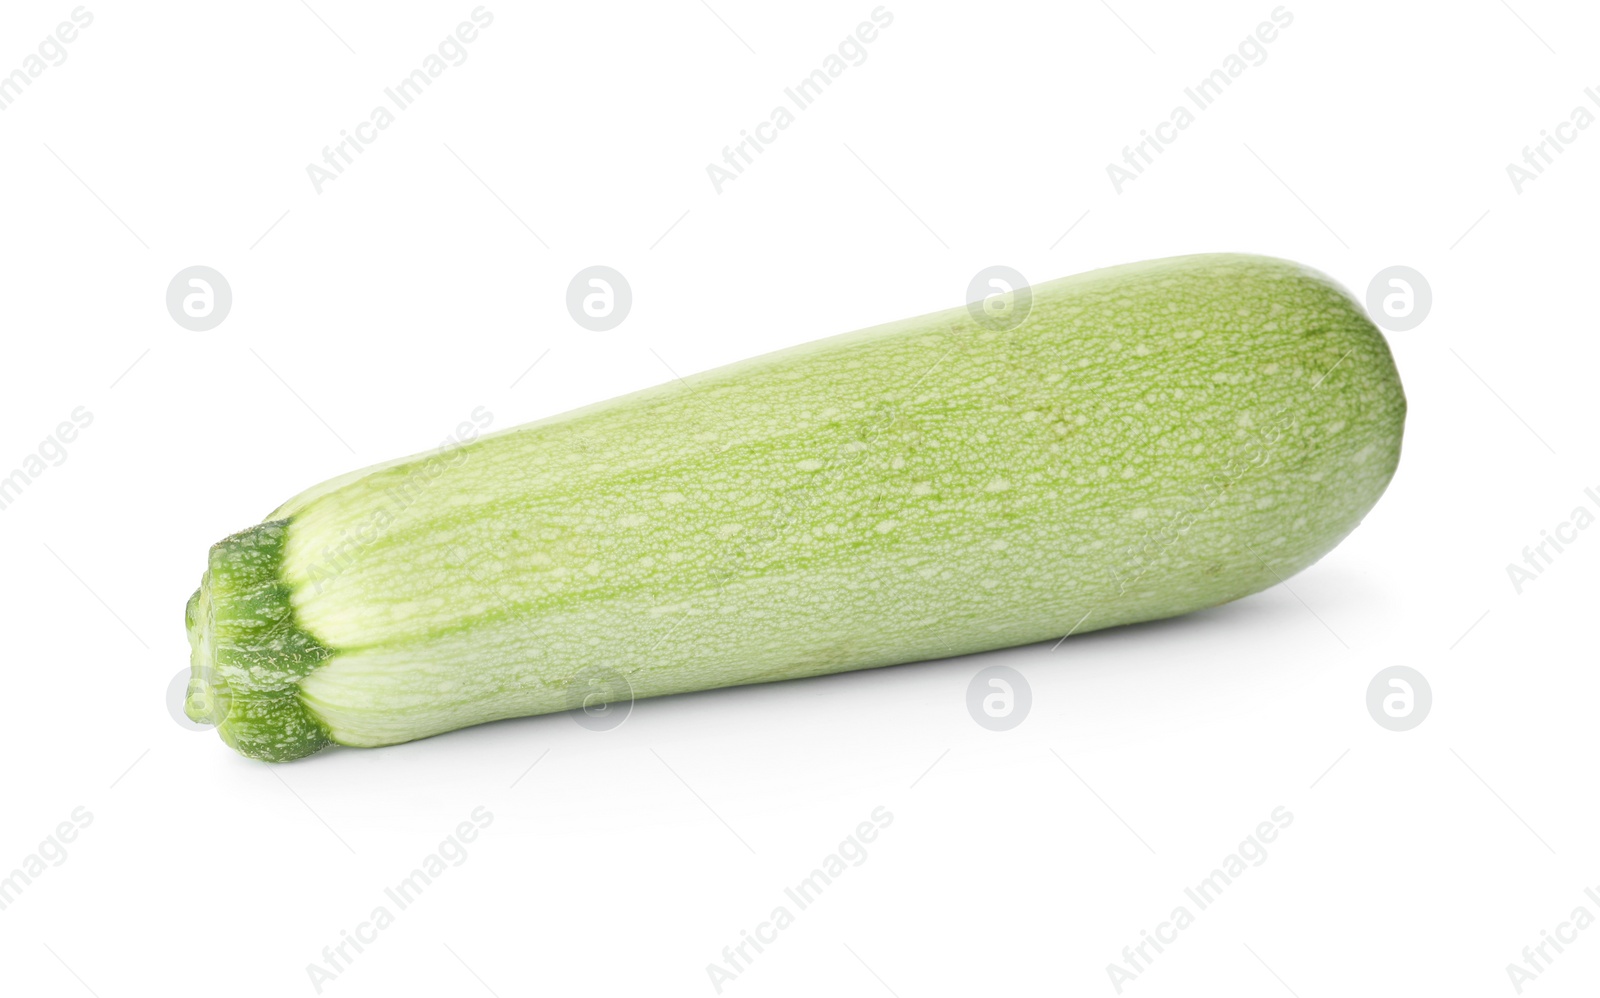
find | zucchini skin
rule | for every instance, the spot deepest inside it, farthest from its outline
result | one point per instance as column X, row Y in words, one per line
column 1151, row 440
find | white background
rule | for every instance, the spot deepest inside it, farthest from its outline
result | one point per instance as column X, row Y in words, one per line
column 371, row 318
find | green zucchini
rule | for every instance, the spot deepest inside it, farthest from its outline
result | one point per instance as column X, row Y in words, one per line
column 1141, row 442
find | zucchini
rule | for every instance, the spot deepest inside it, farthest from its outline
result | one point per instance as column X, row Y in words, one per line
column 1120, row 446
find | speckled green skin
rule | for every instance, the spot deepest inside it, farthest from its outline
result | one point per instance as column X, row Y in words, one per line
column 247, row 653
column 1152, row 440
